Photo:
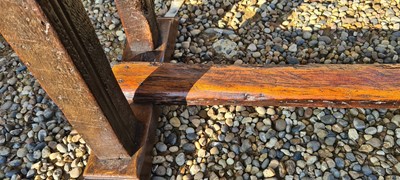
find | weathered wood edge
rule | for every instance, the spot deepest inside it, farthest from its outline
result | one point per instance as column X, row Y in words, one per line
column 139, row 166
column 57, row 55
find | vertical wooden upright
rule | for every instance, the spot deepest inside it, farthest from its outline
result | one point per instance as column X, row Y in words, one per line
column 140, row 25
column 56, row 41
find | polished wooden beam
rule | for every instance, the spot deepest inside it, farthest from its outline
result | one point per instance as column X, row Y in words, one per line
column 56, row 41
column 369, row 86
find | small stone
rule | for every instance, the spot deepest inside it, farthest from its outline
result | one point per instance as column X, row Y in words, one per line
column 311, row 159
column 353, row 134
column 397, row 167
column 396, row 120
column 290, row 167
column 269, row 172
column 354, row 112
column 201, row 153
column 292, row 60
column 12, row 81
column 293, row 48
column 171, row 139
column 256, row 54
column 15, row 163
column 6, row 105
column 62, row 148
column 4, row 151
column 280, row 125
column 375, row 142
column 328, row 119
column 161, row 170
column 30, row 173
column 307, row 35
column 230, row 161
column 195, row 32
column 42, row 134
column 325, row 39
column 214, row 151
column 359, row 124
column 271, row 111
column 189, row 148
column 371, row 130
column 161, row 147
column 185, row 114
column 180, row 159
column 261, row 110
column 314, row 145
column 194, row 169
column 226, row 47
column 22, row 152
column 252, row 47
column 339, row 162
column 75, row 172
column 175, row 122
column 366, row 148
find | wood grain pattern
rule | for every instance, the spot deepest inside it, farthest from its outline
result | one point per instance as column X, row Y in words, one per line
column 140, row 25
column 369, row 86
column 168, row 32
column 57, row 43
column 137, row 167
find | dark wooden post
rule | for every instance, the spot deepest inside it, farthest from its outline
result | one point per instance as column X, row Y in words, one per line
column 56, row 41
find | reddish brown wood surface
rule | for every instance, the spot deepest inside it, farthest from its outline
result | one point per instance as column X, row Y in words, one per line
column 168, row 31
column 370, row 86
column 55, row 40
column 139, row 166
column 140, row 25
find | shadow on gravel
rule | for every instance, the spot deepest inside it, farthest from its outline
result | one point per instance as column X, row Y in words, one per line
column 298, row 32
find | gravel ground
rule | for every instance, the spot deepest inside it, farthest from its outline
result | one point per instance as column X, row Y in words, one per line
column 228, row 142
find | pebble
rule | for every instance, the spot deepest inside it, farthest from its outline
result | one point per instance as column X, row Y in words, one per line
column 180, row 159
column 359, row 124
column 4, row 151
column 280, row 125
column 42, row 134
column 189, row 148
column 161, row 147
column 371, row 130
column 75, row 172
column 175, row 122
column 61, row 148
column 194, row 169
column 270, row 111
column 22, row 152
column 293, row 48
column 328, row 119
column 314, row 145
column 353, row 134
column 261, row 110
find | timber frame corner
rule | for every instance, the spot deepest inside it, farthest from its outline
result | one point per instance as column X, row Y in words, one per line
column 116, row 110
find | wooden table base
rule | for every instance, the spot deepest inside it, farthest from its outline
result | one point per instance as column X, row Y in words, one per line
column 137, row 167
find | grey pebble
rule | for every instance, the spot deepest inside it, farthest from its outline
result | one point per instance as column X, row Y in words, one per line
column 280, row 124
column 161, row 147
column 328, row 119
column 359, row 124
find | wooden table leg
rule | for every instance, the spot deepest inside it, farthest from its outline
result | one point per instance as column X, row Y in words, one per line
column 58, row 44
column 139, row 165
column 140, row 25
